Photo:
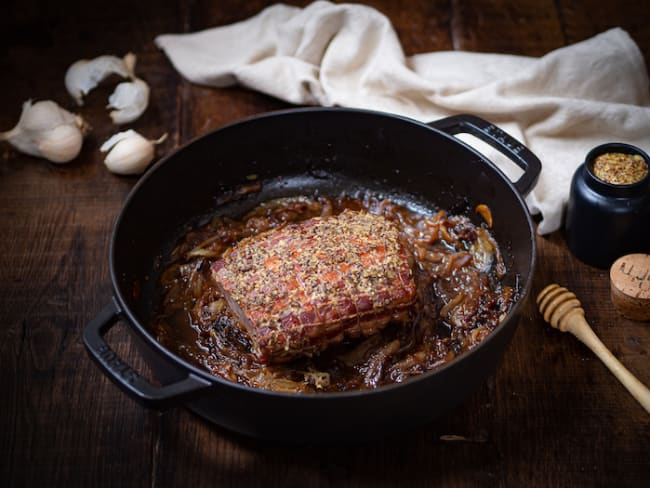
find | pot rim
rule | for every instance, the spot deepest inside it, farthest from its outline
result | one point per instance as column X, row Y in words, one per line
column 143, row 331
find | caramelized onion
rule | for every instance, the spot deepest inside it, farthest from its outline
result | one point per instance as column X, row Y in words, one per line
column 458, row 269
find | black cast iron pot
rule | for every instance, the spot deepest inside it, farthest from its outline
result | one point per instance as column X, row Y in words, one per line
column 299, row 152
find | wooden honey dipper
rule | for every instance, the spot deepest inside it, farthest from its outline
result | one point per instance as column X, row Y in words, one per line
column 563, row 310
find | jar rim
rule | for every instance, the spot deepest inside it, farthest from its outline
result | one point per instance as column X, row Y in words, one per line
column 619, row 147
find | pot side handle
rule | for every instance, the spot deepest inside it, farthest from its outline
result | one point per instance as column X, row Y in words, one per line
column 498, row 139
column 137, row 387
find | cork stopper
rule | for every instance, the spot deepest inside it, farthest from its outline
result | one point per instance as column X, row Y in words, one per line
column 630, row 286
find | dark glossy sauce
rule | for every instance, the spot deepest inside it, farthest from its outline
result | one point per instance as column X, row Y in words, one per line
column 458, row 271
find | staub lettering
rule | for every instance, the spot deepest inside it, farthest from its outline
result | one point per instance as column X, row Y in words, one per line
column 502, row 137
column 116, row 365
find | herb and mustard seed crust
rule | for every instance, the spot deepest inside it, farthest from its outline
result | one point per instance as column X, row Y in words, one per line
column 300, row 288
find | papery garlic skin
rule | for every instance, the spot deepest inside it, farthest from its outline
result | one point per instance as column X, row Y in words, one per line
column 85, row 74
column 130, row 99
column 129, row 153
column 47, row 130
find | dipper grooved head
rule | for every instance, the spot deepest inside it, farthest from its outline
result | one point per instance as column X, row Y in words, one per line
column 557, row 304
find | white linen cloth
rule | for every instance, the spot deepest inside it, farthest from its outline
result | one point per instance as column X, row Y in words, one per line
column 560, row 105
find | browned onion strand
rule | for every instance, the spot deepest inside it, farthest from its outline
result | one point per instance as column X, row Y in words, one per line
column 458, row 270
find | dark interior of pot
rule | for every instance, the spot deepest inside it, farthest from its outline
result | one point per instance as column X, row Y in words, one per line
column 301, row 152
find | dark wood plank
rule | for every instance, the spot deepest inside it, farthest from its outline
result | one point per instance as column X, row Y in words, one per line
column 585, row 18
column 575, row 406
column 61, row 420
column 421, row 26
column 530, row 27
column 552, row 415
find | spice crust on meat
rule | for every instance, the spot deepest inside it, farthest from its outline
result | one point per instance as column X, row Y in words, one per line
column 298, row 289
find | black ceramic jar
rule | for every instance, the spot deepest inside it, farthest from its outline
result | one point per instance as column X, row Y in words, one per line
column 604, row 220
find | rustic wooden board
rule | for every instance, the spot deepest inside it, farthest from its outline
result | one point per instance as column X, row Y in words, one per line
column 551, row 416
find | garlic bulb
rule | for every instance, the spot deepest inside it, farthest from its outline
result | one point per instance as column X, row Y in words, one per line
column 47, row 130
column 130, row 99
column 129, row 153
column 85, row 74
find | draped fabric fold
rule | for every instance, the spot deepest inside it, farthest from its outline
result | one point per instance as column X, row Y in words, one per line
column 559, row 105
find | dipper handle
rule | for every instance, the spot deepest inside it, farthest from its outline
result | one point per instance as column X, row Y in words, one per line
column 563, row 310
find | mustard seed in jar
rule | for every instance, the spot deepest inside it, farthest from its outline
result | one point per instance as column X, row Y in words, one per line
column 620, row 168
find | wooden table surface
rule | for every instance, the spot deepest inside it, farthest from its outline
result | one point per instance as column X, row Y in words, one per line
column 552, row 415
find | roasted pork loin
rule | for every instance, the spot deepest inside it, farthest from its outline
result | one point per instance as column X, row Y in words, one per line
column 298, row 289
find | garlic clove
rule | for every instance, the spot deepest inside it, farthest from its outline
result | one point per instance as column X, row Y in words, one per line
column 20, row 136
column 115, row 138
column 46, row 130
column 85, row 74
column 61, row 144
column 43, row 115
column 130, row 99
column 129, row 153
